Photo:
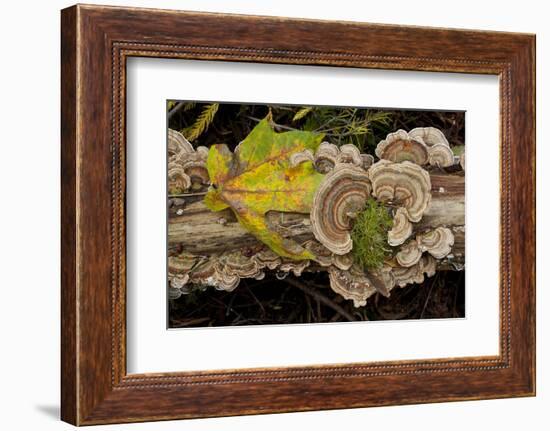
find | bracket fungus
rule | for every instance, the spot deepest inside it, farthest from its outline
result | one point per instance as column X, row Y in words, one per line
column 186, row 166
column 326, row 157
column 342, row 261
column 441, row 155
column 325, row 258
column 414, row 274
column 301, row 157
column 403, row 184
column 237, row 264
column 351, row 284
column 409, row 254
column 178, row 180
column 194, row 165
column 178, row 285
column 400, row 146
column 439, row 150
column 402, row 228
column 267, row 258
column 342, row 193
column 429, row 135
column 438, row 242
column 349, row 153
column 329, row 155
column 296, row 267
column 177, row 144
column 367, row 161
column 181, row 263
column 179, row 280
column 207, row 274
column 422, row 145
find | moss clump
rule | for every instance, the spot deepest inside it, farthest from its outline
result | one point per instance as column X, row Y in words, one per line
column 370, row 235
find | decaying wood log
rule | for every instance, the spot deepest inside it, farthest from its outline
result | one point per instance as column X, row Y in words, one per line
column 198, row 230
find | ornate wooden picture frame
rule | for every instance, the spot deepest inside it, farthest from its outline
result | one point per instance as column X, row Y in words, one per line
column 96, row 41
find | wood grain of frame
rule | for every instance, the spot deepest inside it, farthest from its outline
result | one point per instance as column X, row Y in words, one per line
column 95, row 43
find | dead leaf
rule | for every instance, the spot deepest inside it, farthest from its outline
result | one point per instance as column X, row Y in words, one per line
column 258, row 178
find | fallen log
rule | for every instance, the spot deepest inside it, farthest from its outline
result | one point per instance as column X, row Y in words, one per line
column 198, row 230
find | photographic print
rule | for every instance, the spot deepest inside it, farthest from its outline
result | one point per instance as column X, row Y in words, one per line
column 283, row 214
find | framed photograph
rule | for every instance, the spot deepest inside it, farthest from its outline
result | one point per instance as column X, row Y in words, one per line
column 267, row 215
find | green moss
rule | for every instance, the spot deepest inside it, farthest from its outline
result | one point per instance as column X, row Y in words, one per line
column 458, row 150
column 370, row 235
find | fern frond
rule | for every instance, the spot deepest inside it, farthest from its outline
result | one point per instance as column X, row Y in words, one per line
column 202, row 122
column 188, row 106
column 379, row 118
column 302, row 113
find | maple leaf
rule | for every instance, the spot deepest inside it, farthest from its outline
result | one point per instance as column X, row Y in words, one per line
column 258, row 178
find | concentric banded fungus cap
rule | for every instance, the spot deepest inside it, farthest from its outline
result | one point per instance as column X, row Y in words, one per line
column 178, row 285
column 342, row 261
column 400, row 146
column 235, row 263
column 325, row 258
column 404, row 184
column 414, row 274
column 368, row 161
column 352, row 284
column 329, row 155
column 407, row 275
column 181, row 263
column 300, row 157
column 177, row 281
column 177, row 144
column 208, row 274
column 441, row 155
column 296, row 267
column 409, row 254
column 267, row 258
column 194, row 165
column 178, row 180
column 349, row 153
column 437, row 242
column 439, row 150
column 174, row 293
column 181, row 153
column 342, row 193
column 402, row 228
column 429, row 135
column 326, row 157
column 428, row 265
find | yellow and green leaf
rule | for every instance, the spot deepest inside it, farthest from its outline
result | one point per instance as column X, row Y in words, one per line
column 259, row 178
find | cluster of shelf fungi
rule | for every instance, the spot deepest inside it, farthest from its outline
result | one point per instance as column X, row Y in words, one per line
column 417, row 177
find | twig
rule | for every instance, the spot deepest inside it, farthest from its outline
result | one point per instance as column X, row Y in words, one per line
column 428, row 297
column 186, row 195
column 175, row 109
column 279, row 126
column 191, row 322
column 317, row 295
column 255, row 298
